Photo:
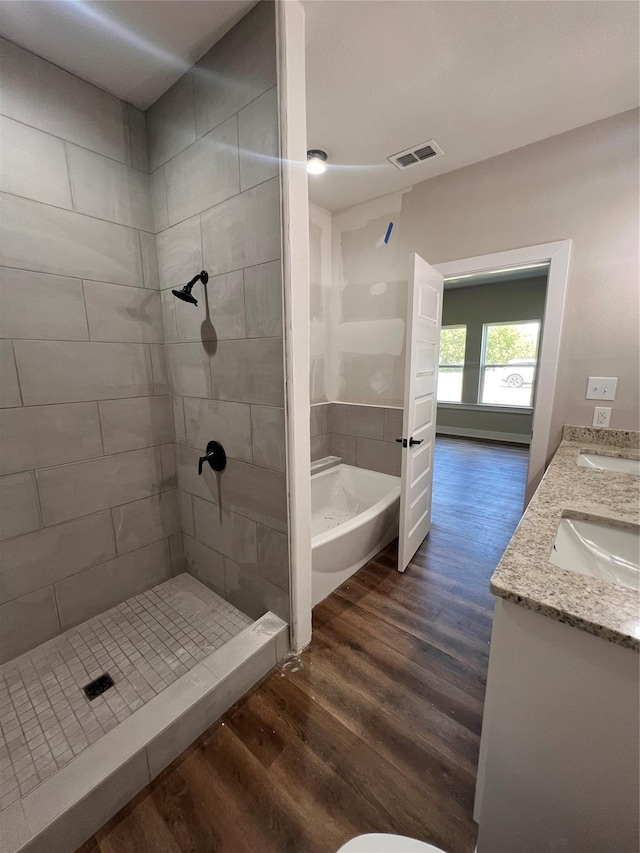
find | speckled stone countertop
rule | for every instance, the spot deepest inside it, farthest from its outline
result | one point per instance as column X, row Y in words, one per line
column 526, row 577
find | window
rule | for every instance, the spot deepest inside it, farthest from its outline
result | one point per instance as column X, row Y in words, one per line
column 509, row 361
column 453, row 341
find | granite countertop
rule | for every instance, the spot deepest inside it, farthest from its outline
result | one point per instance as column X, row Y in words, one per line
column 526, row 577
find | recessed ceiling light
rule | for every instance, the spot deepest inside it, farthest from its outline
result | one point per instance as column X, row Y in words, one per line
column 316, row 161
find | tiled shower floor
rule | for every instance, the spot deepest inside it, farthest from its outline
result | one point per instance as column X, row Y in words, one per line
column 144, row 643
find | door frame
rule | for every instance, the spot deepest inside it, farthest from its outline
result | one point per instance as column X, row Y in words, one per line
column 557, row 254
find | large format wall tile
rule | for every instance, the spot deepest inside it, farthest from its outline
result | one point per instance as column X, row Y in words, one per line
column 159, row 199
column 66, row 372
column 252, row 594
column 109, row 190
column 35, row 305
column 39, row 436
column 19, row 509
column 45, row 556
column 365, row 421
column 33, row 164
column 138, row 138
column 219, row 314
column 249, row 371
column 136, row 422
column 273, row 557
column 263, row 300
column 228, row 423
column 160, row 369
column 268, row 437
column 9, row 388
column 189, row 373
column 237, row 69
column 123, row 314
column 150, row 271
column 258, row 140
column 180, row 253
column 227, row 532
column 170, row 122
column 243, row 231
column 382, row 456
column 205, row 564
column 44, row 96
column 26, row 622
column 204, row 486
column 95, row 590
column 204, row 174
column 142, row 522
column 70, row 491
column 48, row 239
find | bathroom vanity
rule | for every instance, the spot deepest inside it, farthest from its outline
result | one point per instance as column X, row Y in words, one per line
column 560, row 749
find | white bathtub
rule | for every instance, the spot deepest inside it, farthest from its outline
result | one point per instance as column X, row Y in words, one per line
column 354, row 514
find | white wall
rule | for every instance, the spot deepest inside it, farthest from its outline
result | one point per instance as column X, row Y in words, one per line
column 320, row 300
column 581, row 185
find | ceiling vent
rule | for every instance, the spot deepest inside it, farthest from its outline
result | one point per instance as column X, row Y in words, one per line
column 417, row 154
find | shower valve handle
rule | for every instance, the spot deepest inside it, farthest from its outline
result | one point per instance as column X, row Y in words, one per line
column 215, row 456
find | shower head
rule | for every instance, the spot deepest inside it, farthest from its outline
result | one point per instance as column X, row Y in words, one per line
column 185, row 292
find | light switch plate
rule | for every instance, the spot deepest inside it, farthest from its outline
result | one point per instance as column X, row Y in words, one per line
column 602, row 387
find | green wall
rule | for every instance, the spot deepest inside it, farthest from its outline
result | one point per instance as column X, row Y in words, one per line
column 520, row 299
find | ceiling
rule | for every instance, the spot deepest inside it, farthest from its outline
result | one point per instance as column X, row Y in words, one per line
column 134, row 49
column 480, row 78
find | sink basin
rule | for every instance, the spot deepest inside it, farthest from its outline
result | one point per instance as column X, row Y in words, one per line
column 598, row 550
column 609, row 463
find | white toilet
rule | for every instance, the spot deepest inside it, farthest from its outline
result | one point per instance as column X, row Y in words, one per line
column 377, row 842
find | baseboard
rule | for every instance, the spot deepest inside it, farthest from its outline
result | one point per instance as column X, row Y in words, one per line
column 486, row 434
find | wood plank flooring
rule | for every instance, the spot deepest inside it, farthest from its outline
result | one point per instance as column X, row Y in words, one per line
column 376, row 726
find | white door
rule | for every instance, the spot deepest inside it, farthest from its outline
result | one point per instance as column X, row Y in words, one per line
column 424, row 320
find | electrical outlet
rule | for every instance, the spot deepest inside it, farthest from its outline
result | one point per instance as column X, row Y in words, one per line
column 601, row 416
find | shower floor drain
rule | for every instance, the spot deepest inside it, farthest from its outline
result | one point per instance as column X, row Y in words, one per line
column 98, row 686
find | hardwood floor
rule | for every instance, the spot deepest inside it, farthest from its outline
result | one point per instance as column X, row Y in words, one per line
column 376, row 726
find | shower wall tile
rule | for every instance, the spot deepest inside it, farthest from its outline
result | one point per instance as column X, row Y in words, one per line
column 252, row 594
column 249, row 371
column 71, row 491
column 228, row 423
column 226, row 532
column 138, row 138
column 159, row 199
column 45, row 556
column 26, row 622
column 136, row 422
column 204, row 486
column 44, row 96
column 68, row 372
column 19, row 509
column 142, row 522
column 258, row 140
column 205, row 564
column 123, row 314
column 39, row 306
column 169, row 319
column 189, row 373
column 219, row 314
column 393, row 419
column 178, row 420
column 268, row 437
column 9, row 387
column 320, row 447
column 171, row 122
column 319, row 419
column 239, row 68
column 48, row 239
column 244, row 230
column 176, row 548
column 159, row 367
column 109, row 190
column 33, row 164
column 186, row 512
column 39, row 436
column 263, row 300
column 255, row 492
column 273, row 557
column 150, row 272
column 82, row 596
column 204, row 174
column 169, row 470
column 345, row 447
column 364, row 436
column 179, row 253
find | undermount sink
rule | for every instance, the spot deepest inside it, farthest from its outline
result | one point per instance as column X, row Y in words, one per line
column 609, row 463
column 598, row 550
